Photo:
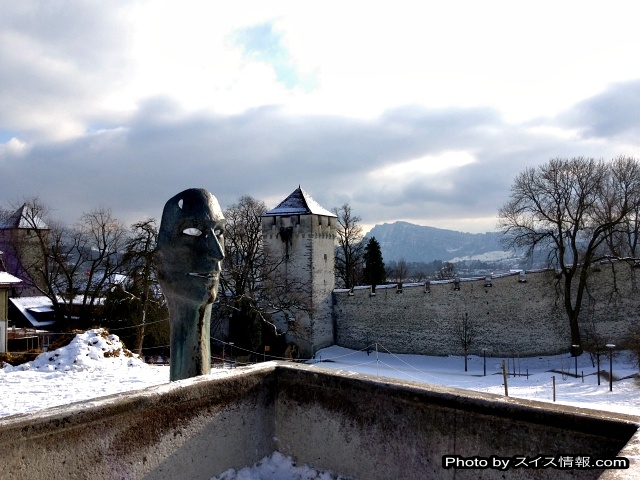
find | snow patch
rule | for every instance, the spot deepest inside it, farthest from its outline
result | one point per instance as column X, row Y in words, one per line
column 93, row 350
column 493, row 256
column 277, row 467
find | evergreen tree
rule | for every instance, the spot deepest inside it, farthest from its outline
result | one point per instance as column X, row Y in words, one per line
column 374, row 271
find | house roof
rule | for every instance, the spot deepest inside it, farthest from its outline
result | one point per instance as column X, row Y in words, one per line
column 24, row 218
column 299, row 203
column 8, row 279
column 38, row 311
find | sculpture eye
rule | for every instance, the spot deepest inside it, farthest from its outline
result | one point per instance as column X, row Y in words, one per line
column 194, row 232
column 218, row 231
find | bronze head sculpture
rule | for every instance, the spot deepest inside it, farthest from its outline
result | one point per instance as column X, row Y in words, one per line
column 190, row 250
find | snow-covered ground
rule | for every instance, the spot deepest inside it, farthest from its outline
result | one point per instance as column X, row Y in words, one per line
column 449, row 371
column 97, row 364
column 94, row 364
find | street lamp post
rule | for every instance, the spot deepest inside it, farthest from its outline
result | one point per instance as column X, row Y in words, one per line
column 575, row 349
column 484, row 354
column 598, row 360
column 231, row 355
column 610, row 346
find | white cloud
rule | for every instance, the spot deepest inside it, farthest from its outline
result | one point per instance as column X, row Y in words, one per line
column 15, row 148
column 423, row 166
column 406, row 110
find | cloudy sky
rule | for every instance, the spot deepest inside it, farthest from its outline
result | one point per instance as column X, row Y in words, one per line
column 416, row 111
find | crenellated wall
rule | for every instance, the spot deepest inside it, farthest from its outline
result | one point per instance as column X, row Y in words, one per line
column 508, row 318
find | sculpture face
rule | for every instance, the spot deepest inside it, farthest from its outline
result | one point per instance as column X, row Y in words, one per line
column 191, row 246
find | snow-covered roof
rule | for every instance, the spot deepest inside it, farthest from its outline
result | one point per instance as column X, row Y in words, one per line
column 23, row 218
column 8, row 279
column 299, row 203
column 31, row 306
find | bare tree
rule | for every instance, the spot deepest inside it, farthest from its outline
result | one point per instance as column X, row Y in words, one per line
column 465, row 332
column 140, row 264
column 21, row 236
column 633, row 344
column 572, row 208
column 4, row 214
column 71, row 266
column 446, row 272
column 593, row 341
column 253, row 287
column 400, row 272
column 100, row 240
column 350, row 249
column 135, row 306
column 631, row 229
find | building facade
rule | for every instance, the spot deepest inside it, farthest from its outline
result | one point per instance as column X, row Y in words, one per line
column 301, row 235
column 7, row 282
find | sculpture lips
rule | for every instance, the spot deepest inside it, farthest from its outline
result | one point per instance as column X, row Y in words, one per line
column 204, row 275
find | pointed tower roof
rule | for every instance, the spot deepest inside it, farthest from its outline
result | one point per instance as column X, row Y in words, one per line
column 299, row 203
column 23, row 218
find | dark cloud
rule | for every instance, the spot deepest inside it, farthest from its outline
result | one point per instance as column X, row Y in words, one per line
column 614, row 112
column 266, row 153
column 54, row 57
column 68, row 66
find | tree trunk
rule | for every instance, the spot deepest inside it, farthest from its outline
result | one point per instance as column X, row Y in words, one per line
column 141, row 332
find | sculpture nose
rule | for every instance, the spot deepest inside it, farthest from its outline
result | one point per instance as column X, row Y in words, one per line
column 216, row 249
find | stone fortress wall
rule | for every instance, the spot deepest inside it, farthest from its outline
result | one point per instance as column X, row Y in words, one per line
column 509, row 318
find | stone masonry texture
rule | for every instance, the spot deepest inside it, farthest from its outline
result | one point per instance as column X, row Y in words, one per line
column 508, row 318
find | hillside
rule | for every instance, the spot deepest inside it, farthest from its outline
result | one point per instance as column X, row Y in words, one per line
column 416, row 243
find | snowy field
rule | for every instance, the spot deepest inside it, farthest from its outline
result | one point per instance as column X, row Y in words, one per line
column 97, row 364
column 449, row 372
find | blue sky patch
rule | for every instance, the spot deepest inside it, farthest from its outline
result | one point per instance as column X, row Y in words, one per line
column 6, row 135
column 263, row 44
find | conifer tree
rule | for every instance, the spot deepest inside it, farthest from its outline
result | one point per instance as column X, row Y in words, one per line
column 374, row 271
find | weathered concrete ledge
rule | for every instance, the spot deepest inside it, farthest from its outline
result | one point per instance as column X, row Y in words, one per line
column 357, row 425
column 184, row 430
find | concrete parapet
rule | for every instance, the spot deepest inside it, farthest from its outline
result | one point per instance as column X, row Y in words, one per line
column 356, row 425
column 187, row 429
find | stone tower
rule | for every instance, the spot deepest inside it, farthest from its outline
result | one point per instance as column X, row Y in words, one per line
column 302, row 234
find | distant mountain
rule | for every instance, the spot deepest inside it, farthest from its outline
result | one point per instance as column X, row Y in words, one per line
column 416, row 243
